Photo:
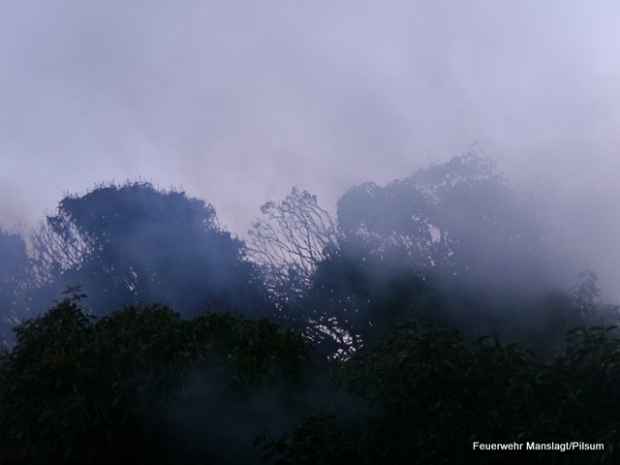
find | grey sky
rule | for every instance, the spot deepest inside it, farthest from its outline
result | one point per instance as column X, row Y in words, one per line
column 237, row 101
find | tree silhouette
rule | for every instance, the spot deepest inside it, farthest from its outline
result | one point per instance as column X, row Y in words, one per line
column 135, row 244
column 460, row 219
column 460, row 225
column 14, row 266
column 290, row 241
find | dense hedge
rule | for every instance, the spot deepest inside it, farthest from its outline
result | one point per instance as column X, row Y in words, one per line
column 432, row 395
column 142, row 385
column 89, row 391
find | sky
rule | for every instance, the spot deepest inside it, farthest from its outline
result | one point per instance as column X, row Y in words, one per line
column 236, row 102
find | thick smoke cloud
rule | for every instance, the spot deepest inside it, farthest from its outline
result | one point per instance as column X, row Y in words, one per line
column 237, row 102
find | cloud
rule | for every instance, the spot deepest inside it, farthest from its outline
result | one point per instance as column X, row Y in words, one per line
column 236, row 102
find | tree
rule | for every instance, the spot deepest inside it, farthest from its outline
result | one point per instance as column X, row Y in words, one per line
column 354, row 300
column 135, row 244
column 14, row 266
column 430, row 394
column 293, row 238
column 460, row 225
column 457, row 224
column 451, row 243
column 132, row 384
column 460, row 219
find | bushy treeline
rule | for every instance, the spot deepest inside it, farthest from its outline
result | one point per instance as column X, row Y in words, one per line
column 84, row 390
column 143, row 385
column 433, row 395
column 427, row 314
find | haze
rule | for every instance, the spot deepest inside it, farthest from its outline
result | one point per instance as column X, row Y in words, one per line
column 236, row 102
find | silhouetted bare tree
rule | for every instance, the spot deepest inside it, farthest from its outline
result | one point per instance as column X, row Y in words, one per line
column 290, row 241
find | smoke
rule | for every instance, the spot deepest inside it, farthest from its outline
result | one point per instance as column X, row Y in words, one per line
column 236, row 102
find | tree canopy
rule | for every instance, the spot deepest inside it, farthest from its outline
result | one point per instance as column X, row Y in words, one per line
column 14, row 268
column 424, row 315
column 136, row 244
column 457, row 226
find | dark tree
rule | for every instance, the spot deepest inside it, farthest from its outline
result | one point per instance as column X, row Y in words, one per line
column 452, row 243
column 14, row 266
column 354, row 300
column 142, row 384
column 136, row 244
column 460, row 219
column 323, row 283
column 291, row 240
column 460, row 225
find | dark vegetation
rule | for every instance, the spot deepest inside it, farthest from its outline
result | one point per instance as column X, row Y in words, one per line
column 430, row 313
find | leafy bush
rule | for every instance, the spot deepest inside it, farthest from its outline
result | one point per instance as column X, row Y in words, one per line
column 83, row 390
column 433, row 394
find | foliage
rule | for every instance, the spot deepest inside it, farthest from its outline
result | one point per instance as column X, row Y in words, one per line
column 135, row 244
column 293, row 238
column 354, row 301
column 14, row 268
column 78, row 389
column 459, row 220
column 453, row 243
column 370, row 352
column 435, row 394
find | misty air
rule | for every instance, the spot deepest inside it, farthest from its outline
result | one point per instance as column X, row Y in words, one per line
column 309, row 233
